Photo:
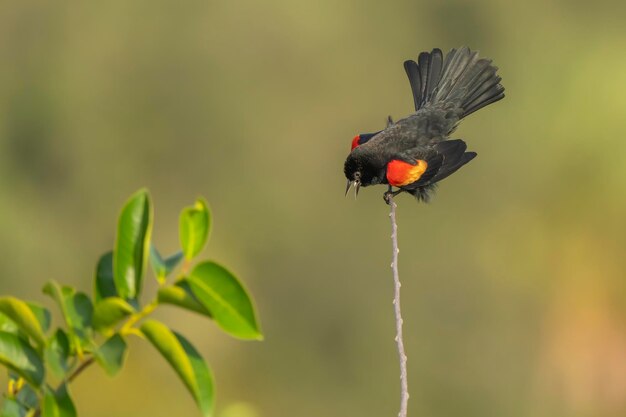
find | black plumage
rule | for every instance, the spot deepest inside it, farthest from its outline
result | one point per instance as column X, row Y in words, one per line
column 444, row 91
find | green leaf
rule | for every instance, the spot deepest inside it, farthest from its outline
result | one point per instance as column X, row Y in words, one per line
column 112, row 354
column 76, row 306
column 8, row 325
column 132, row 244
column 180, row 295
column 28, row 397
column 172, row 261
column 77, row 311
column 109, row 312
column 23, row 403
column 104, row 285
column 194, row 228
column 158, row 264
column 58, row 404
column 12, row 408
column 163, row 267
column 19, row 356
column 42, row 314
column 80, row 311
column 226, row 298
column 58, row 353
column 21, row 314
column 185, row 360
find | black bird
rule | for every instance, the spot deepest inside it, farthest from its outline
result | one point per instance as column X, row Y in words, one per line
column 415, row 153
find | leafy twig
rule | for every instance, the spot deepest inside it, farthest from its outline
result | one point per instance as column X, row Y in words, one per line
column 118, row 283
column 70, row 378
column 404, row 388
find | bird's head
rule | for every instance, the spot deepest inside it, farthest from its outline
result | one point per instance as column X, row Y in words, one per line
column 361, row 171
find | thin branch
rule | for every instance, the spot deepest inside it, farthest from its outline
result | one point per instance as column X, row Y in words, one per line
column 127, row 328
column 80, row 369
column 404, row 387
column 69, row 379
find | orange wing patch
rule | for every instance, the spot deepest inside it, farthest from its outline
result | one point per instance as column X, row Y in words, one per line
column 355, row 141
column 400, row 173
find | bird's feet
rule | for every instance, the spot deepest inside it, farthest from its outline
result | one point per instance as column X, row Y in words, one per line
column 389, row 195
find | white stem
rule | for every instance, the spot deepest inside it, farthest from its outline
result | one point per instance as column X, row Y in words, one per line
column 404, row 387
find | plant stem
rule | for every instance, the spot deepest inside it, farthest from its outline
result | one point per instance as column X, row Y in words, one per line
column 127, row 328
column 70, row 378
column 185, row 268
column 149, row 308
column 404, row 387
column 80, row 369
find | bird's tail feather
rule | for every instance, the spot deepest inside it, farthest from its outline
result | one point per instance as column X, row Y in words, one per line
column 461, row 79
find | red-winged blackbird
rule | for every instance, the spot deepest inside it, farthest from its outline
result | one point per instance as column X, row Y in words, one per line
column 415, row 153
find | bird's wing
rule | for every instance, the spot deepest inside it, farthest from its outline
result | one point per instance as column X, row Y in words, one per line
column 433, row 164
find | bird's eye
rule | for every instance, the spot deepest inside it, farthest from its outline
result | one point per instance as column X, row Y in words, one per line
column 357, row 175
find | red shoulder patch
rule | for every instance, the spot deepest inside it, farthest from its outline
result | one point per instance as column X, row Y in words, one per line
column 355, row 141
column 400, row 173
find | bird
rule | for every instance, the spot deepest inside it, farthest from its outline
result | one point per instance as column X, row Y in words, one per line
column 414, row 153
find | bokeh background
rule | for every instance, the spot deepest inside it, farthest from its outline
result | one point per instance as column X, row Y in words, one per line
column 514, row 290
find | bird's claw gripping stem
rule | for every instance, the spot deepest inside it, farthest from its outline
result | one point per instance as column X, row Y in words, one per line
column 390, row 194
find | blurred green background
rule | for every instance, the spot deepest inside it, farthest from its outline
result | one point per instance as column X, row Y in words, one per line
column 514, row 290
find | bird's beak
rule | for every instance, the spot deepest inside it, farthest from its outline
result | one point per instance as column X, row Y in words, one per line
column 348, row 186
column 357, row 185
